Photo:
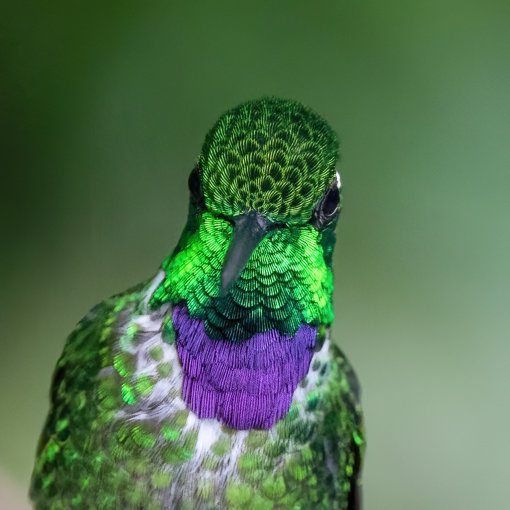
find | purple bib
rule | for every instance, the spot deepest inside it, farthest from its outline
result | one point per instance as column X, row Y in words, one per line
column 244, row 385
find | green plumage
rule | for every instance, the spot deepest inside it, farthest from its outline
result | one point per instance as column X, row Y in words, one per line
column 285, row 283
column 119, row 433
column 271, row 155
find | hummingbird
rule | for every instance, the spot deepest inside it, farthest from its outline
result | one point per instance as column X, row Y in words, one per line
column 216, row 384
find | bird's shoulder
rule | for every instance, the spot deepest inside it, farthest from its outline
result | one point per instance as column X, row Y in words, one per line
column 76, row 388
column 346, row 424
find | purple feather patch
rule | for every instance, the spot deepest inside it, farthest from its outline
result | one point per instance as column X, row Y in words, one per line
column 247, row 385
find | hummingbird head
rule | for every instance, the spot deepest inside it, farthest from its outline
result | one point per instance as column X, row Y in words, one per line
column 256, row 252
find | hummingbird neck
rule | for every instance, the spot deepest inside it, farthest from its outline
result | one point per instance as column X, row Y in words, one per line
column 287, row 281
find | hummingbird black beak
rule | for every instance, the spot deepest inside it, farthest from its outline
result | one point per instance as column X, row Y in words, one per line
column 249, row 230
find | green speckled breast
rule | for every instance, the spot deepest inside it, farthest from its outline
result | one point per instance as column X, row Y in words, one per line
column 120, row 436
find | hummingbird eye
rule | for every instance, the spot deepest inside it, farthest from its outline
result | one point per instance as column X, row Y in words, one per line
column 195, row 189
column 331, row 202
column 328, row 208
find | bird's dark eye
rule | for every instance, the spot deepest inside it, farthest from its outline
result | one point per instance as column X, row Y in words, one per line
column 328, row 208
column 195, row 189
column 331, row 202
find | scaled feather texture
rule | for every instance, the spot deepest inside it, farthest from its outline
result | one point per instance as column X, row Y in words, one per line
column 215, row 384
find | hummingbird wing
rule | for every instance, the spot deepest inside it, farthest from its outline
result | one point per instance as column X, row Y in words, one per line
column 351, row 397
column 74, row 395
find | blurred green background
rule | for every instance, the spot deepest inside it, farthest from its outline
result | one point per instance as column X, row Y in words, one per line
column 103, row 108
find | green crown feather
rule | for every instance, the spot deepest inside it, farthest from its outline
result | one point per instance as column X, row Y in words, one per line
column 270, row 155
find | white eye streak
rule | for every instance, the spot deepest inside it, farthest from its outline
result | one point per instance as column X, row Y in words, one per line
column 338, row 180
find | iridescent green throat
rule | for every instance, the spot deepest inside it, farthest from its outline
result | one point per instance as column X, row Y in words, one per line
column 285, row 283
